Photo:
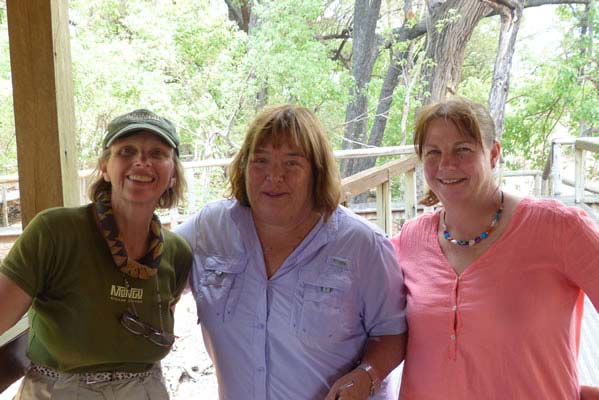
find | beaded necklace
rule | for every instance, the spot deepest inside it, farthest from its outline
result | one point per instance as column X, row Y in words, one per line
column 479, row 238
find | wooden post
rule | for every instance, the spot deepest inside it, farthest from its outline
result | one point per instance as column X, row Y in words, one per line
column 411, row 200
column 43, row 104
column 556, row 168
column 578, row 175
column 40, row 61
column 383, row 207
column 4, row 206
column 580, row 146
column 545, row 187
column 192, row 205
column 538, row 185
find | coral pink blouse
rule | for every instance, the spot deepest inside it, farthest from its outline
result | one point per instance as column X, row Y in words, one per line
column 504, row 328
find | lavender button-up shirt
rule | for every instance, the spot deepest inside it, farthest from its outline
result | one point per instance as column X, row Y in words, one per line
column 293, row 335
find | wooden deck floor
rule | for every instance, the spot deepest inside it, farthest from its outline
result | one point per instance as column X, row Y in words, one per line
column 588, row 360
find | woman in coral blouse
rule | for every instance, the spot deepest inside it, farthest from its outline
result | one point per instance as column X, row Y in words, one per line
column 492, row 278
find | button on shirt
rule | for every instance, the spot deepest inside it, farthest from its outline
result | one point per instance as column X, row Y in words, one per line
column 291, row 336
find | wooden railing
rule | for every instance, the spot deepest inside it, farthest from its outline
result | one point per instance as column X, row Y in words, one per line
column 5, row 196
column 190, row 168
column 581, row 146
column 380, row 178
column 546, row 183
column 552, row 175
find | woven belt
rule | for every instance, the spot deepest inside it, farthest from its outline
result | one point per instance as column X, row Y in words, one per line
column 91, row 377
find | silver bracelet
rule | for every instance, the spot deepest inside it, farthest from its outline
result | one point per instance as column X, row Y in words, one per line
column 375, row 381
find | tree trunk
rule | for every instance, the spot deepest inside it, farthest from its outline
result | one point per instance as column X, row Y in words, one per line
column 365, row 49
column 585, row 128
column 511, row 16
column 240, row 12
column 402, row 64
column 449, row 27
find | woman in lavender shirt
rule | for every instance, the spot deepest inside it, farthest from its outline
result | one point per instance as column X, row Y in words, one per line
column 298, row 298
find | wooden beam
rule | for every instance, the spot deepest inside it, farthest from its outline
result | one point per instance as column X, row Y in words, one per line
column 372, row 177
column 578, row 174
column 587, row 188
column 339, row 155
column 589, row 144
column 411, row 199
column 384, row 216
column 40, row 61
column 4, row 205
column 556, row 168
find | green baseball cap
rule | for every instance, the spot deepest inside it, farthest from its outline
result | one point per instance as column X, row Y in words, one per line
column 141, row 120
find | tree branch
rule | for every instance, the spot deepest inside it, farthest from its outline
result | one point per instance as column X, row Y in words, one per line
column 344, row 34
column 537, row 3
column 533, row 3
column 412, row 32
column 511, row 4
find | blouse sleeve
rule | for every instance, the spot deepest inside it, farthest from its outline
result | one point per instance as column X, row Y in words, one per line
column 580, row 250
column 385, row 297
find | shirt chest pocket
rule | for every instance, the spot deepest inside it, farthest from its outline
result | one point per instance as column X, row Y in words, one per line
column 326, row 307
column 218, row 287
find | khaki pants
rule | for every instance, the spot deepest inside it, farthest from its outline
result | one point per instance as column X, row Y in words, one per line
column 71, row 387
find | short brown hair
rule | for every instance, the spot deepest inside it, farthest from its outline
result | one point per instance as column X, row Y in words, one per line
column 471, row 118
column 169, row 199
column 282, row 122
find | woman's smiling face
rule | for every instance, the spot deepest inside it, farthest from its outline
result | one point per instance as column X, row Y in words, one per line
column 456, row 167
column 279, row 184
column 140, row 169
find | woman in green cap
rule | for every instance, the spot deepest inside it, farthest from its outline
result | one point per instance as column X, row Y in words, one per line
column 101, row 280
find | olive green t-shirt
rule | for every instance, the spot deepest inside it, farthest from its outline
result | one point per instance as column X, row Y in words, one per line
column 62, row 261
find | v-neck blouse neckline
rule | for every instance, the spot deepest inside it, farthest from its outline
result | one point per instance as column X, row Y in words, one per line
column 492, row 248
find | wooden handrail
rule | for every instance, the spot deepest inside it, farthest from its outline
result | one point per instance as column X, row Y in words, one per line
column 589, row 144
column 582, row 145
column 223, row 162
column 380, row 178
column 372, row 177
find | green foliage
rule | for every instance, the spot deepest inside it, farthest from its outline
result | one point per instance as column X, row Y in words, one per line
column 289, row 60
column 188, row 61
column 8, row 155
column 531, row 118
column 479, row 58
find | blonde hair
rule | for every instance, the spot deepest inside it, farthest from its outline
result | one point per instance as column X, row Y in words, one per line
column 276, row 124
column 169, row 199
column 471, row 118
